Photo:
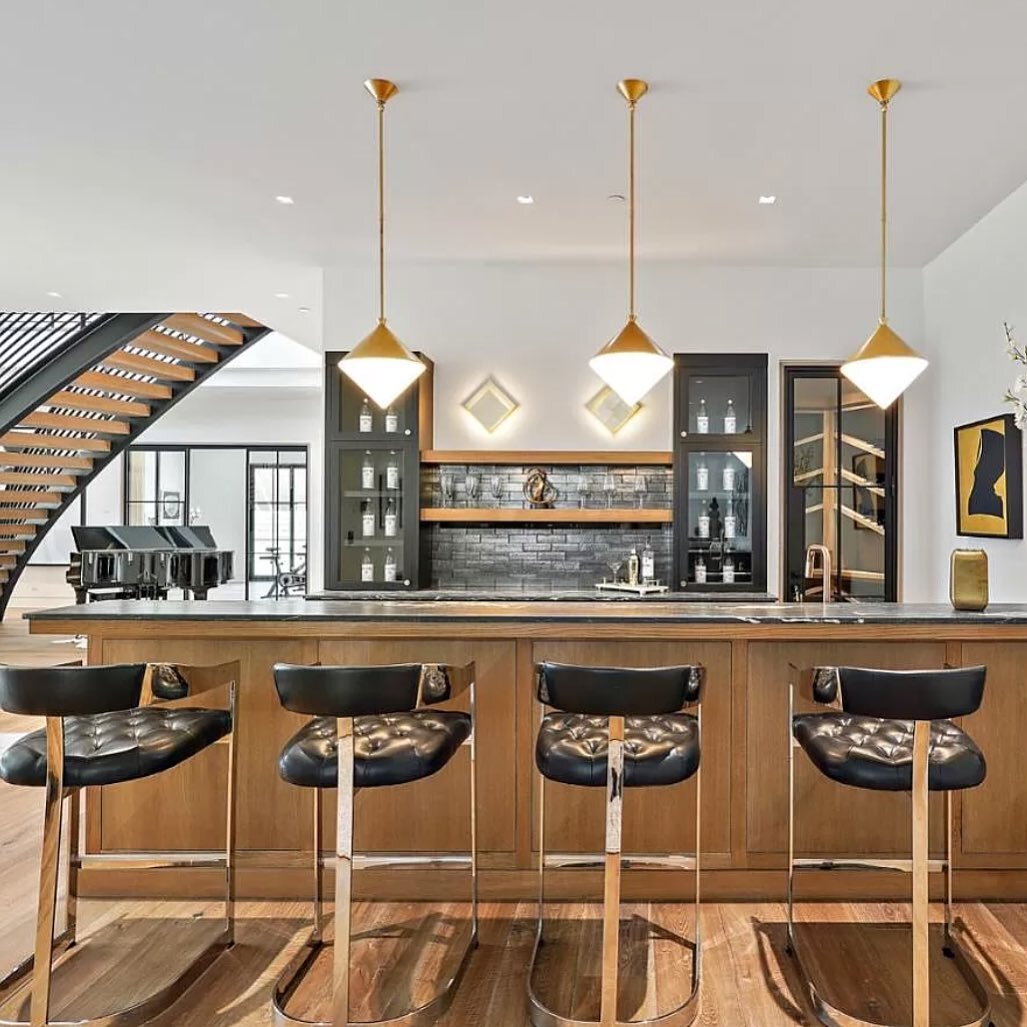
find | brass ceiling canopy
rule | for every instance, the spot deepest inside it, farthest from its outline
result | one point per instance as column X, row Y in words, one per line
column 380, row 364
column 885, row 366
column 631, row 363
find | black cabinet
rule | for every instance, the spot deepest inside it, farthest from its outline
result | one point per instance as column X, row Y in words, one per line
column 720, row 472
column 372, row 483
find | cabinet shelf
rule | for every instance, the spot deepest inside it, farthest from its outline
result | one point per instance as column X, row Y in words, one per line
column 500, row 515
column 549, row 457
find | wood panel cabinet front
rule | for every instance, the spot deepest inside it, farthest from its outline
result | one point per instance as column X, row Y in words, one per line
column 832, row 819
column 656, row 820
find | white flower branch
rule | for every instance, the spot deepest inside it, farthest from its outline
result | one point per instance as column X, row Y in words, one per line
column 1017, row 394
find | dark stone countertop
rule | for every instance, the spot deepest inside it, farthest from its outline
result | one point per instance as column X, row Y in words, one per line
column 494, row 595
column 639, row 611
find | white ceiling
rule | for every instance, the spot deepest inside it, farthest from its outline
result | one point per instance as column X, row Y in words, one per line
column 143, row 144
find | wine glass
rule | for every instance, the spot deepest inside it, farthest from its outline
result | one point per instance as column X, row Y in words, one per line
column 472, row 486
column 581, row 484
column 496, row 489
column 614, row 563
column 447, row 485
column 641, row 487
column 610, row 488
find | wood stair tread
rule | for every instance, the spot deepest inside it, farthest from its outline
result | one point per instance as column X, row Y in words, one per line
column 8, row 531
column 98, row 404
column 181, row 349
column 35, row 440
column 124, row 386
column 36, row 516
column 16, row 459
column 203, row 328
column 39, row 499
column 12, row 545
column 243, row 320
column 160, row 369
column 38, row 478
column 70, row 422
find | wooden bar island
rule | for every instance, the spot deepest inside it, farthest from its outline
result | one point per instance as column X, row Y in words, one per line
column 746, row 649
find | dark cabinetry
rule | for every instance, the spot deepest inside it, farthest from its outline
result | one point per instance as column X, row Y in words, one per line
column 720, row 472
column 372, row 484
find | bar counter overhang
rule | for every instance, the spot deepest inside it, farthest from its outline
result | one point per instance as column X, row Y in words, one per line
column 747, row 650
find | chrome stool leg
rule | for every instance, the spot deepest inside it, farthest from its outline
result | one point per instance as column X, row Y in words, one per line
column 612, row 862
column 920, row 866
column 48, row 949
column 346, row 860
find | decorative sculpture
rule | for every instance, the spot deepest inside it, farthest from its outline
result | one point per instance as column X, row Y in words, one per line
column 539, row 491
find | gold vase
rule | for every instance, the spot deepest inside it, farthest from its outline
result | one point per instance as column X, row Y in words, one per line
column 968, row 579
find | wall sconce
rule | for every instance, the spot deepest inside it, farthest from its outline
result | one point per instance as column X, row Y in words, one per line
column 610, row 410
column 490, row 404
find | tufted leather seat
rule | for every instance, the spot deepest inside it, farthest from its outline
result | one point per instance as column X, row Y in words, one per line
column 661, row 750
column 105, row 748
column 388, row 749
column 868, row 752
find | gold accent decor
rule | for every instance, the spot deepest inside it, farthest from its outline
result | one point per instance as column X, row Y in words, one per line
column 968, row 579
column 490, row 404
column 380, row 364
column 886, row 365
column 631, row 364
column 610, row 410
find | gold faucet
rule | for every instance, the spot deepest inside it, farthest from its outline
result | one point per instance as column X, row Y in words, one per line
column 811, row 564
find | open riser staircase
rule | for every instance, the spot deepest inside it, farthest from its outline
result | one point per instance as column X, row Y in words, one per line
column 76, row 390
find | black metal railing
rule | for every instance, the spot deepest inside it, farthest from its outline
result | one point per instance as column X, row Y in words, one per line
column 28, row 340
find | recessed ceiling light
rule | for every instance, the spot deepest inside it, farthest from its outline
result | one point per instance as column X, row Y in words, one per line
column 768, row 201
column 617, row 197
column 281, row 295
column 304, row 310
column 54, row 295
column 286, row 201
column 526, row 200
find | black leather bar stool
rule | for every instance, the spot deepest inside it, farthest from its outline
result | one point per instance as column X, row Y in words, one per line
column 373, row 727
column 890, row 731
column 617, row 728
column 108, row 725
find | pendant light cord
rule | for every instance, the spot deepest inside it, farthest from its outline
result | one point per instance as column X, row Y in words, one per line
column 884, row 210
column 631, row 211
column 381, row 212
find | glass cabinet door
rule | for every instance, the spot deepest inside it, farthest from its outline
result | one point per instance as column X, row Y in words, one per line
column 719, row 500
column 352, row 415
column 376, row 520
column 719, row 404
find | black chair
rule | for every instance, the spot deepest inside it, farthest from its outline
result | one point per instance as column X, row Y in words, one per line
column 108, row 725
column 617, row 728
column 373, row 727
column 891, row 731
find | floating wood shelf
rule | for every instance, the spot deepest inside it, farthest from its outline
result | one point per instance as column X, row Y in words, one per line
column 566, row 515
column 547, row 457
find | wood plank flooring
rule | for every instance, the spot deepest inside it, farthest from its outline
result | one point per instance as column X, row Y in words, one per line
column 403, row 948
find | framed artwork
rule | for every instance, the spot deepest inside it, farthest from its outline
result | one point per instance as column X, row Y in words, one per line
column 989, row 478
column 171, row 504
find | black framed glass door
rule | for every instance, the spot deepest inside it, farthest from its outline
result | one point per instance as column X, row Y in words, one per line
column 841, row 487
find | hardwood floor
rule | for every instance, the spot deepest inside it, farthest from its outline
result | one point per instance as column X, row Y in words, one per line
column 401, row 948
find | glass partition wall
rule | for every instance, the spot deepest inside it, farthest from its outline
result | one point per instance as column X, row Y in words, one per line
column 841, row 487
column 253, row 499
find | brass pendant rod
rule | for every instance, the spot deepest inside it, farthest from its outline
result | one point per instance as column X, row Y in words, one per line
column 381, row 211
column 631, row 211
column 884, row 210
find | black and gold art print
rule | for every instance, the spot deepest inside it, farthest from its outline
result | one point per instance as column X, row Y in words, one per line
column 989, row 478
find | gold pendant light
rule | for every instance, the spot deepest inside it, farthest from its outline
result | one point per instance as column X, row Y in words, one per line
column 380, row 364
column 631, row 364
column 886, row 365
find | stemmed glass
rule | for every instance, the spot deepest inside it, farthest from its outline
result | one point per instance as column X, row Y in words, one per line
column 610, row 488
column 641, row 487
column 582, row 486
column 614, row 563
column 448, row 485
column 496, row 489
column 472, row 485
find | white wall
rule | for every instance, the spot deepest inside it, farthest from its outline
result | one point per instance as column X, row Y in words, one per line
column 534, row 326
column 969, row 290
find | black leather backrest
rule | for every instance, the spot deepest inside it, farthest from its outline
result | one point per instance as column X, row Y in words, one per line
column 70, row 691
column 619, row 691
column 348, row 691
column 912, row 694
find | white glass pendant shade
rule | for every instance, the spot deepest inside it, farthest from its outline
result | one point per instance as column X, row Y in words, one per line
column 381, row 366
column 632, row 363
column 884, row 367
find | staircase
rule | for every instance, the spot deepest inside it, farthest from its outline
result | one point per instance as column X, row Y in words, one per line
column 76, row 390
